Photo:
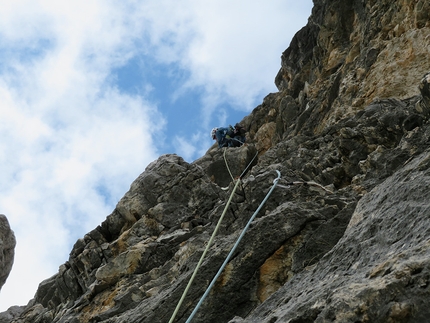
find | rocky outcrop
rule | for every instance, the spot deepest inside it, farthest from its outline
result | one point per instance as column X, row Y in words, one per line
column 7, row 249
column 352, row 53
column 135, row 266
column 12, row 313
column 380, row 269
column 344, row 235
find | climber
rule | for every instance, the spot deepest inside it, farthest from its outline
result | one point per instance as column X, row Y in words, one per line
column 238, row 136
column 222, row 136
column 229, row 137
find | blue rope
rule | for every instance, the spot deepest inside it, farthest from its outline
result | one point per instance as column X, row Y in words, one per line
column 204, row 253
column 275, row 182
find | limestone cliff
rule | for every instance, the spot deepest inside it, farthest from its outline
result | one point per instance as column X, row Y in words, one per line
column 7, row 249
column 351, row 115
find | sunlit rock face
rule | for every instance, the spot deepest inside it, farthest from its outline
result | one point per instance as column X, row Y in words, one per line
column 344, row 236
column 352, row 53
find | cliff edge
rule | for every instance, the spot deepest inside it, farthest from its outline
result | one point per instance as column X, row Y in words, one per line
column 7, row 249
column 344, row 237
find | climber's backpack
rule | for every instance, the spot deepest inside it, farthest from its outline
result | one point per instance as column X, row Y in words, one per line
column 230, row 132
column 238, row 137
column 241, row 130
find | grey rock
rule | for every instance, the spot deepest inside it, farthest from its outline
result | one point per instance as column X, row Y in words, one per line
column 425, row 93
column 7, row 249
column 344, row 236
column 12, row 313
column 378, row 271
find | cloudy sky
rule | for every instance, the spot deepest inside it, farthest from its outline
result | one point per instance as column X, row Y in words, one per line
column 93, row 91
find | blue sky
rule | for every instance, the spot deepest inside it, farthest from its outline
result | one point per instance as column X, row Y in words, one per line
column 93, row 91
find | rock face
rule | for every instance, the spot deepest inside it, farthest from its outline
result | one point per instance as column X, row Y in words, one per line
column 7, row 249
column 379, row 271
column 344, row 235
column 12, row 313
column 352, row 53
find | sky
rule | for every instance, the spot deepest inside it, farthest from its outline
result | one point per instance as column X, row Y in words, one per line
column 92, row 91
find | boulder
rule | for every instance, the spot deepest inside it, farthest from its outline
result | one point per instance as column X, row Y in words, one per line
column 7, row 249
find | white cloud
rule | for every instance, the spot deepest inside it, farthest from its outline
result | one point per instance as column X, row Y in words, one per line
column 195, row 143
column 229, row 47
column 72, row 142
column 186, row 147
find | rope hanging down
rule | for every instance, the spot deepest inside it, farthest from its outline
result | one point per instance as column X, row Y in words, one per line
column 229, row 171
column 228, row 168
column 204, row 253
column 275, row 182
column 210, row 240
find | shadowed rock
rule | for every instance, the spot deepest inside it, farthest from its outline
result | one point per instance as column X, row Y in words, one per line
column 344, row 236
column 7, row 249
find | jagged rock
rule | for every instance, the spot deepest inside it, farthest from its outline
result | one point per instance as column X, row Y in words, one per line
column 425, row 92
column 223, row 165
column 378, row 272
column 352, row 53
column 7, row 249
column 343, row 238
column 12, row 313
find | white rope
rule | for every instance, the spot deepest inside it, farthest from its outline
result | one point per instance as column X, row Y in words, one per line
column 204, row 253
column 244, row 171
column 213, row 235
column 275, row 182
column 226, row 164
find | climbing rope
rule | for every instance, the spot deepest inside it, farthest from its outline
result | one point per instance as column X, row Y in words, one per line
column 210, row 240
column 310, row 183
column 244, row 171
column 275, row 182
column 226, row 164
column 204, row 253
column 249, row 164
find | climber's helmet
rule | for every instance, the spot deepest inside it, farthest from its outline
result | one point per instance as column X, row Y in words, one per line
column 213, row 133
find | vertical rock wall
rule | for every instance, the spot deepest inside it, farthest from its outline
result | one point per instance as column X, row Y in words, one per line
column 344, row 238
column 354, row 52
